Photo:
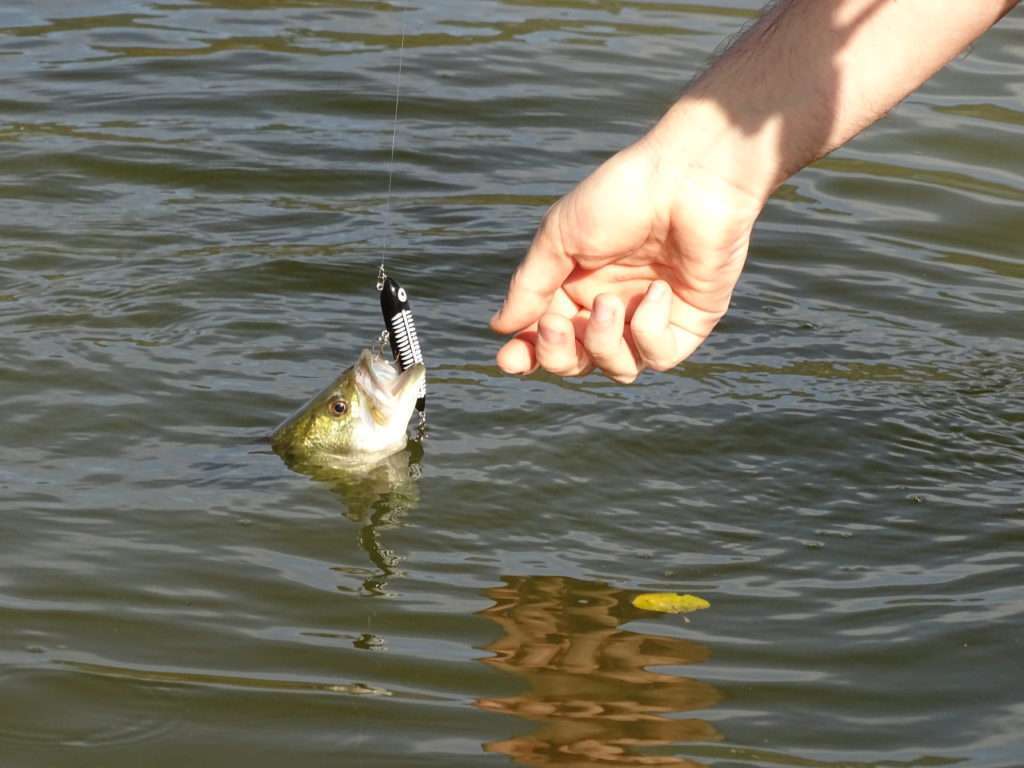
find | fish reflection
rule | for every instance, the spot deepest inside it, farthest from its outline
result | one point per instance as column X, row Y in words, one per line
column 590, row 688
column 377, row 496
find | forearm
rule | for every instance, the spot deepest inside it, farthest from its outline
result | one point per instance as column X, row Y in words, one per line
column 807, row 77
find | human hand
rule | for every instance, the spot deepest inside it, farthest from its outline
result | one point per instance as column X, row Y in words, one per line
column 631, row 270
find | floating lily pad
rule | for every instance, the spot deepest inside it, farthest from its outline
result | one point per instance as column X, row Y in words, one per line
column 670, row 602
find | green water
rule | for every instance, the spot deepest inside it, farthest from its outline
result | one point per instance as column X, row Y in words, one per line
column 192, row 208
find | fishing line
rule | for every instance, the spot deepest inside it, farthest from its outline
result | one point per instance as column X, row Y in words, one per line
column 394, row 143
column 400, row 329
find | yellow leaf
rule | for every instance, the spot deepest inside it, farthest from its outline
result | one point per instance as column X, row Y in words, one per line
column 670, row 602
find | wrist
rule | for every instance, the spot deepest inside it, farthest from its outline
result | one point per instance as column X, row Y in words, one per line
column 696, row 137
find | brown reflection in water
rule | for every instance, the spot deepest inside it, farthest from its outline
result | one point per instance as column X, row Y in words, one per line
column 589, row 685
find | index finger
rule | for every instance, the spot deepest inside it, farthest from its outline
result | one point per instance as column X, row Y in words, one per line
column 542, row 272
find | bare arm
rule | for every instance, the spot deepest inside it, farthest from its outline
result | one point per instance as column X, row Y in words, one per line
column 635, row 266
column 809, row 76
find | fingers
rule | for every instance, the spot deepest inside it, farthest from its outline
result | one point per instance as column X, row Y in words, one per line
column 653, row 338
column 542, row 272
column 666, row 333
column 519, row 355
column 604, row 339
column 551, row 343
column 558, row 350
column 662, row 332
column 553, row 347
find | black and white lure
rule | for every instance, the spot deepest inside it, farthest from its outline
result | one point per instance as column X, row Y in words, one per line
column 401, row 331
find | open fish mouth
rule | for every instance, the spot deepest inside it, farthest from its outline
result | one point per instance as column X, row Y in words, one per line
column 386, row 388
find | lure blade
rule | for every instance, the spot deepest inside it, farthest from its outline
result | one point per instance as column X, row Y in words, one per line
column 405, row 344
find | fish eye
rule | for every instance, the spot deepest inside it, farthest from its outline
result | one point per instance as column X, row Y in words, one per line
column 402, row 295
column 337, row 407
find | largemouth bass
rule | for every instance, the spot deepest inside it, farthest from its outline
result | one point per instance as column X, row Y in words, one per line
column 360, row 418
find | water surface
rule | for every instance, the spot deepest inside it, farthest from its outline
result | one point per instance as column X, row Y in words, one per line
column 193, row 209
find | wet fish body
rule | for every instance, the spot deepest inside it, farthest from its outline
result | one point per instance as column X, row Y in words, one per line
column 361, row 417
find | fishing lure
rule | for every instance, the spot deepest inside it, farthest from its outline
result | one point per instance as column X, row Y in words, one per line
column 401, row 330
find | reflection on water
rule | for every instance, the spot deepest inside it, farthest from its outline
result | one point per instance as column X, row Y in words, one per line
column 388, row 485
column 377, row 496
column 589, row 682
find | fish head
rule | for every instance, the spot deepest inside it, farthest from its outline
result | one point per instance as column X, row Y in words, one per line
column 362, row 414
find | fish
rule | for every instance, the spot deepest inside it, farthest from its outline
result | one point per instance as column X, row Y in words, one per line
column 360, row 418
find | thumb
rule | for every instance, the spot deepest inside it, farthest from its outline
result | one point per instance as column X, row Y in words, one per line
column 541, row 273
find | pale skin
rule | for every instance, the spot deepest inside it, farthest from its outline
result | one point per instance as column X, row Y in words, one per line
column 634, row 267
